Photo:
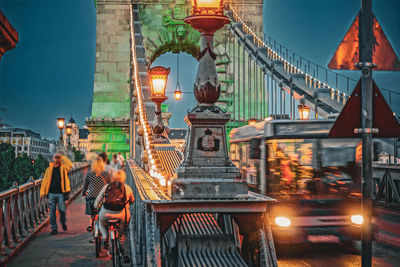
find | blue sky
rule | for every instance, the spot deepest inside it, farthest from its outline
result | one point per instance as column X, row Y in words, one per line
column 50, row 72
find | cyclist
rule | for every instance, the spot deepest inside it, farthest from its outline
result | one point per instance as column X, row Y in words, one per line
column 95, row 180
column 116, row 198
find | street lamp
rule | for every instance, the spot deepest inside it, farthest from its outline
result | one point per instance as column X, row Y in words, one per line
column 60, row 124
column 252, row 121
column 69, row 132
column 206, row 156
column 158, row 82
column 304, row 110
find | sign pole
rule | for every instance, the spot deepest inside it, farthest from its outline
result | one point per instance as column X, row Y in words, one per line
column 365, row 43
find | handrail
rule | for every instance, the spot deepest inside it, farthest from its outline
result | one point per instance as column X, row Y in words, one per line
column 155, row 169
column 22, row 212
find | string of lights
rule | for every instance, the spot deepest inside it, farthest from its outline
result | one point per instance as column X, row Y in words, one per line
column 156, row 171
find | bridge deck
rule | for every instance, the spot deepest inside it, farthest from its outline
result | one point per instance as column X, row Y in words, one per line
column 70, row 248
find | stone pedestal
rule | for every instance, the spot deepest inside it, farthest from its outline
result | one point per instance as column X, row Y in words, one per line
column 207, row 171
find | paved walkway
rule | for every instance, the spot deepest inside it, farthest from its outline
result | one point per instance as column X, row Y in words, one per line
column 70, row 248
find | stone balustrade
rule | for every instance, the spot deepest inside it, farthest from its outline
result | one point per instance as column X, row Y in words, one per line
column 23, row 213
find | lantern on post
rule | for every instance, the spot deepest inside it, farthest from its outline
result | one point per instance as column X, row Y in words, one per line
column 304, row 110
column 158, row 82
column 252, row 121
column 60, row 124
column 68, row 130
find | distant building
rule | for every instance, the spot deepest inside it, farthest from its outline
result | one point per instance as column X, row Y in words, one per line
column 84, row 139
column 26, row 141
column 74, row 138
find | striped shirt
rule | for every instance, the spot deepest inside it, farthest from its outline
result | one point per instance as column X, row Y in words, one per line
column 93, row 184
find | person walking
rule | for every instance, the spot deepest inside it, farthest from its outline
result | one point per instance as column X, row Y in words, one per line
column 104, row 157
column 95, row 180
column 56, row 186
column 121, row 159
column 116, row 198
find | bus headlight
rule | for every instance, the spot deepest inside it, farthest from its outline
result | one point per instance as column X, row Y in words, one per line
column 283, row 221
column 357, row 219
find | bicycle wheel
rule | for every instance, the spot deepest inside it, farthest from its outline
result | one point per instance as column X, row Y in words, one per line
column 114, row 253
column 98, row 245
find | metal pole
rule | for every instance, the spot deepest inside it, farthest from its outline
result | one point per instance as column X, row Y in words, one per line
column 262, row 166
column 244, row 86
column 365, row 44
column 266, row 95
column 232, row 50
column 249, row 89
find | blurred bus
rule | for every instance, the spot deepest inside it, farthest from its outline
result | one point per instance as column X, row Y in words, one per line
column 315, row 179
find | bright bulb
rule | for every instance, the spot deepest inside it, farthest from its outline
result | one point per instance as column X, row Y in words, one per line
column 162, row 182
column 208, row 3
column 158, row 86
column 283, row 221
column 357, row 219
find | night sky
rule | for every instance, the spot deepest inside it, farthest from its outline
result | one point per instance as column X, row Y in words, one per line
column 51, row 71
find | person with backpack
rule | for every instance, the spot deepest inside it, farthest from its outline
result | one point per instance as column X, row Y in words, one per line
column 95, row 180
column 116, row 198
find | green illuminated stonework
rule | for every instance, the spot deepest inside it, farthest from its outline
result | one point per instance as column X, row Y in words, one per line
column 110, row 136
column 164, row 30
column 109, row 122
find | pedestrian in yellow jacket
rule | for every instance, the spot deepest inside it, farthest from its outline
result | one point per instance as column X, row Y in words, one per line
column 56, row 186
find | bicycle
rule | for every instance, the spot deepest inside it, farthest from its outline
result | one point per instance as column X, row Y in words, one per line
column 96, row 234
column 94, row 228
column 114, row 245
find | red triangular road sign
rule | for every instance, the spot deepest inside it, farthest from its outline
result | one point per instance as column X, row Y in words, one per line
column 347, row 53
column 350, row 118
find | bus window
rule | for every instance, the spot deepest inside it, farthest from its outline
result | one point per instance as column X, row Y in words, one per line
column 289, row 166
column 311, row 167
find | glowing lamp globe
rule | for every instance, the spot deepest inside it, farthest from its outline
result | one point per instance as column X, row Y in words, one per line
column 60, row 123
column 69, row 130
column 304, row 112
column 158, row 81
column 178, row 95
column 207, row 16
column 200, row 5
column 252, row 121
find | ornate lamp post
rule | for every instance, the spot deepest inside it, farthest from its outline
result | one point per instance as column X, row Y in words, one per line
column 60, row 124
column 158, row 82
column 69, row 132
column 207, row 171
column 304, row 111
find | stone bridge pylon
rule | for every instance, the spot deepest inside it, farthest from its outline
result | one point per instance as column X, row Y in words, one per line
column 163, row 30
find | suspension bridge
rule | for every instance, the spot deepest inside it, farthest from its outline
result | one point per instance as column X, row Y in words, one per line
column 259, row 78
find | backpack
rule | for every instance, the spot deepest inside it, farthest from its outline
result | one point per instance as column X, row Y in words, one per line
column 115, row 197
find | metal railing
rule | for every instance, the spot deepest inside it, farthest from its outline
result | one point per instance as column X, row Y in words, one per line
column 316, row 76
column 22, row 212
column 386, row 188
